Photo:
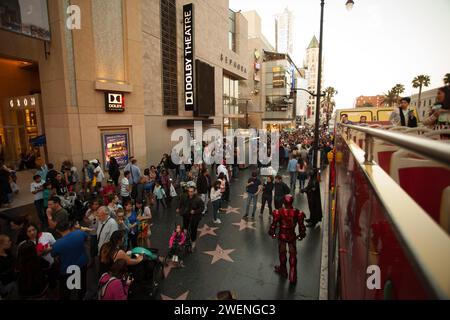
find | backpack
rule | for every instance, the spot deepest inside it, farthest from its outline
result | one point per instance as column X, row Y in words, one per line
column 102, row 288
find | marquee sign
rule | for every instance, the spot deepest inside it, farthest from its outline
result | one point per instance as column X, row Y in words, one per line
column 188, row 45
column 114, row 102
column 22, row 102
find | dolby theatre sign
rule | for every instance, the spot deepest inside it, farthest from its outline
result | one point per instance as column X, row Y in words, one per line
column 188, row 45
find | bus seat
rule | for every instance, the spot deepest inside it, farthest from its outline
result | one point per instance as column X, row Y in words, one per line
column 437, row 134
column 424, row 180
column 382, row 153
column 445, row 210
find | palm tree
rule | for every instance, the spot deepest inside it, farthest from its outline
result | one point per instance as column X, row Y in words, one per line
column 398, row 89
column 419, row 82
column 330, row 92
column 390, row 98
column 447, row 79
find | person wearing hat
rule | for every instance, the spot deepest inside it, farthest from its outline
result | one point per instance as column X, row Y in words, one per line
column 403, row 116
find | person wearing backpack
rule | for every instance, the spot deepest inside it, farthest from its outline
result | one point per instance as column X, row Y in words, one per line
column 113, row 285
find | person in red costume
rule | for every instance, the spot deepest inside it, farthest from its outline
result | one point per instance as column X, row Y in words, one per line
column 286, row 219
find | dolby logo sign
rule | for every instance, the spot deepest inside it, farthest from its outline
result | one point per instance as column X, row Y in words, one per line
column 114, row 102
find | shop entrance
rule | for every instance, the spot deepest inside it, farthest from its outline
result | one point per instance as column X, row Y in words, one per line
column 22, row 139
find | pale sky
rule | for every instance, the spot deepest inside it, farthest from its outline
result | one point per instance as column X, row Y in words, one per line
column 373, row 47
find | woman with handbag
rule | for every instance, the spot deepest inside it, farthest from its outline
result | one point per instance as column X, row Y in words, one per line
column 302, row 169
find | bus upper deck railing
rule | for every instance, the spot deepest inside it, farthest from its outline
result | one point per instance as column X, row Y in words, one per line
column 431, row 149
column 427, row 244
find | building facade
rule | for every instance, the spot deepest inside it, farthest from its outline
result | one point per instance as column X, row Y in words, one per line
column 254, row 88
column 281, row 77
column 369, row 101
column 101, row 78
column 272, row 76
column 218, row 46
column 427, row 100
column 284, row 32
column 311, row 64
column 72, row 80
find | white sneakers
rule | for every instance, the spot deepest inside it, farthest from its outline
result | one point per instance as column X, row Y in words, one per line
column 193, row 245
column 218, row 221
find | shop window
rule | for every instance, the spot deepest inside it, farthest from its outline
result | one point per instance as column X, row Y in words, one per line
column 232, row 30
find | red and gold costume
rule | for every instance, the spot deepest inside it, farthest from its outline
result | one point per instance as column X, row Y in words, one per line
column 286, row 219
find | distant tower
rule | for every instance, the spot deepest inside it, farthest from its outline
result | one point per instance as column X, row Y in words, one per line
column 311, row 64
column 284, row 32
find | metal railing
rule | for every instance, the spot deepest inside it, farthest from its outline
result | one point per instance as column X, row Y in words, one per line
column 428, row 148
column 428, row 245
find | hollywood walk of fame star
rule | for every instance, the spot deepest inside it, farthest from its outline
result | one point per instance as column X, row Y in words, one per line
column 220, row 254
column 231, row 210
column 245, row 225
column 168, row 267
column 285, row 176
column 182, row 297
column 207, row 230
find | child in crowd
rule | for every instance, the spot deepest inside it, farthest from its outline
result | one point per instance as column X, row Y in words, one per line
column 160, row 196
column 216, row 200
column 176, row 241
column 108, row 190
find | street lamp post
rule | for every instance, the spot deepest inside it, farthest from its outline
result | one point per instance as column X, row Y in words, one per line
column 349, row 6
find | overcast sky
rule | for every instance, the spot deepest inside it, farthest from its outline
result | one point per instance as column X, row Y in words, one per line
column 373, row 47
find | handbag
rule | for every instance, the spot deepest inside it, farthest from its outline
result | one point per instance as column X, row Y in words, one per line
column 173, row 192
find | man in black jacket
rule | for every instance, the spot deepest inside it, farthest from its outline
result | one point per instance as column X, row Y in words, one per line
column 267, row 195
column 203, row 187
column 281, row 189
column 312, row 191
column 191, row 208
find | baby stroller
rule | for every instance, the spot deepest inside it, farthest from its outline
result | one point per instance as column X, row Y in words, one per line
column 147, row 276
column 180, row 251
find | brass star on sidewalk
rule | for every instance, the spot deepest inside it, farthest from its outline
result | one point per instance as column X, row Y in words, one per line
column 207, row 230
column 168, row 267
column 231, row 210
column 220, row 254
column 245, row 225
column 182, row 297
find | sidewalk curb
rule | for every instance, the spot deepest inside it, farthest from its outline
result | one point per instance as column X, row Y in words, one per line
column 323, row 285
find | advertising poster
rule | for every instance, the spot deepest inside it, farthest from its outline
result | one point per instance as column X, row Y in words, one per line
column 116, row 145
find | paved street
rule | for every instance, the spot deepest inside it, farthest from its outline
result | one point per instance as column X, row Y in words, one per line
column 235, row 255
column 249, row 256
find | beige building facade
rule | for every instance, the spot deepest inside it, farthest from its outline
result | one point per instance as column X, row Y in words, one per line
column 119, row 51
column 75, row 69
column 222, row 49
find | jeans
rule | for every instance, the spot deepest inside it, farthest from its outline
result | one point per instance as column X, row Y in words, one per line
column 235, row 170
column 183, row 175
column 162, row 202
column 39, row 204
column 278, row 202
column 216, row 206
column 191, row 223
column 251, row 198
column 293, row 181
column 204, row 197
column 302, row 178
column 268, row 199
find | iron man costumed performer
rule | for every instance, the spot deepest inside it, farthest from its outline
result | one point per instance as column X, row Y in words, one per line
column 286, row 219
